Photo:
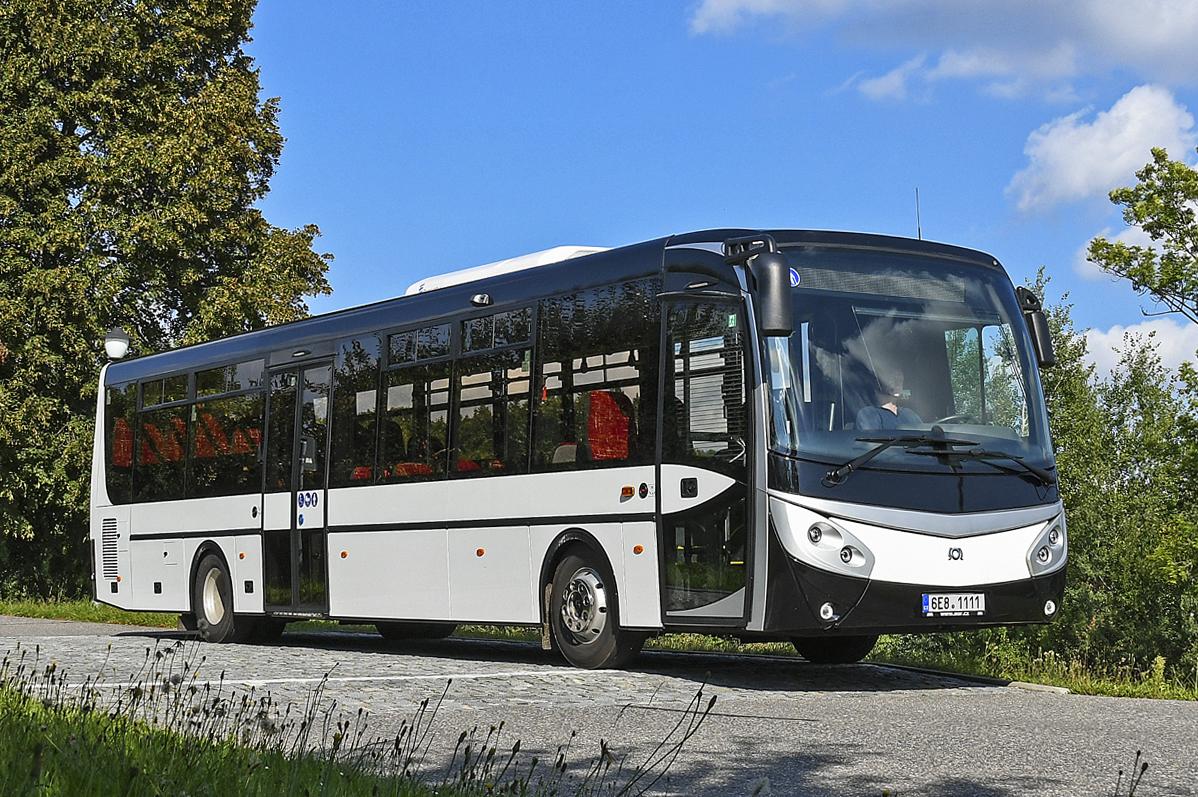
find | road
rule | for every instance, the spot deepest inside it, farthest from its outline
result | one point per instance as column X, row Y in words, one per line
column 808, row 729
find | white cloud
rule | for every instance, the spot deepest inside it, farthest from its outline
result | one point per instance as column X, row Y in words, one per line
column 1074, row 157
column 1177, row 342
column 892, row 85
column 1027, row 43
column 1132, row 236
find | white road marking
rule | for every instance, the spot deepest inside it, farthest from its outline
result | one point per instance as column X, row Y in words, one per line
column 464, row 676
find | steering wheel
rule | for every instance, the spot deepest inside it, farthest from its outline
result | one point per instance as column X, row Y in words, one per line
column 963, row 417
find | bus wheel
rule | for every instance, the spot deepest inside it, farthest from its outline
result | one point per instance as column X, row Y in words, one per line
column 584, row 616
column 835, row 649
column 398, row 631
column 212, row 601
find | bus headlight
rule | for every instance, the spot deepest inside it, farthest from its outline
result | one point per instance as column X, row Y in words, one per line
column 1047, row 553
column 820, row 541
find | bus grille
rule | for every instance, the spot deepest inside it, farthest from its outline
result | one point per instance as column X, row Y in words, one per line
column 108, row 538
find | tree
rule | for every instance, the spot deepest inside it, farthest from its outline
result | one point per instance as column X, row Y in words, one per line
column 1162, row 204
column 133, row 148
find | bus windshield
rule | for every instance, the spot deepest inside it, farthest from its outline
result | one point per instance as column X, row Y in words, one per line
column 890, row 344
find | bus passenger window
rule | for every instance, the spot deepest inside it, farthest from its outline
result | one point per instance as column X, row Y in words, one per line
column 597, row 386
column 226, row 441
column 355, row 412
column 161, row 454
column 491, row 434
column 119, row 405
column 415, row 422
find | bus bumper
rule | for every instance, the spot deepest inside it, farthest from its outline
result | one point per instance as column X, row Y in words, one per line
column 799, row 603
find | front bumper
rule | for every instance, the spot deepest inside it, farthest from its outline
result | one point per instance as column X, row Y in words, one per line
column 864, row 606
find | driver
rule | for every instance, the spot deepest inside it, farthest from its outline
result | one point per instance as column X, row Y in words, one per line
column 888, row 414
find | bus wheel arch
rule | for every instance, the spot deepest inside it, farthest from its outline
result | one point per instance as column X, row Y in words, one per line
column 208, row 568
column 576, row 556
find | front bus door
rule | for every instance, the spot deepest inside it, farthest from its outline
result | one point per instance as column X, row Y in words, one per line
column 706, row 542
column 294, row 546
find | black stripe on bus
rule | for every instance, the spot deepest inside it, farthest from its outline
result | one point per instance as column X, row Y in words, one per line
column 178, row 535
column 558, row 520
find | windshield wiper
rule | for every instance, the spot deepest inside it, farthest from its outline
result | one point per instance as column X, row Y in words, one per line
column 838, row 475
column 1044, row 477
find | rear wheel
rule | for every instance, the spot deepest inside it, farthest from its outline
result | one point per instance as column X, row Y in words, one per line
column 398, row 631
column 834, row 649
column 584, row 614
column 212, row 604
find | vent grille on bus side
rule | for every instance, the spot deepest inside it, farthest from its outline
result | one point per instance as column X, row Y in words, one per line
column 108, row 540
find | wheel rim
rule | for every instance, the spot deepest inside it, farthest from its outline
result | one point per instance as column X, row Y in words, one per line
column 214, row 604
column 584, row 607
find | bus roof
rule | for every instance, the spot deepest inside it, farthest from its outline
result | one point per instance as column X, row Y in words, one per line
column 552, row 271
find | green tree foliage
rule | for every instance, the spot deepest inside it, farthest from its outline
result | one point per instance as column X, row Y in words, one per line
column 1163, row 204
column 133, row 147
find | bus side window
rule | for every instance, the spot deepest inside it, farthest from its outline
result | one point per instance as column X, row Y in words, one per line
column 596, row 389
column 355, row 412
column 161, row 455
column 119, row 420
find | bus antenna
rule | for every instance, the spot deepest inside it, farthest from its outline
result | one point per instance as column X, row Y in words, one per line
column 918, row 225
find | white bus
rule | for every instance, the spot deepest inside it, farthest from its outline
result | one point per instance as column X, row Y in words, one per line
column 798, row 435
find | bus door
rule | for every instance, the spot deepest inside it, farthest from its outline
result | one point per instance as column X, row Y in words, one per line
column 294, row 538
column 706, row 539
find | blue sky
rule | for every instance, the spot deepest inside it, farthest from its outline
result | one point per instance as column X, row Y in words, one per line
column 424, row 137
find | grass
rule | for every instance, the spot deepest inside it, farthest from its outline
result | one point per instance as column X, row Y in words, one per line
column 1006, row 663
column 167, row 731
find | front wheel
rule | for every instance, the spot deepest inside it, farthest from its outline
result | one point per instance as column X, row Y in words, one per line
column 584, row 616
column 834, row 649
column 212, row 604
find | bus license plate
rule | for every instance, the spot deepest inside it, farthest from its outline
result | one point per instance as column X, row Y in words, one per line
column 953, row 604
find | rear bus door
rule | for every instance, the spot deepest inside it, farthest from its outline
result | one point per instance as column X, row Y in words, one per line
column 294, row 536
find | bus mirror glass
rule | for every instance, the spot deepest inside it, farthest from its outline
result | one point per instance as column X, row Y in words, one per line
column 1038, row 325
column 771, row 276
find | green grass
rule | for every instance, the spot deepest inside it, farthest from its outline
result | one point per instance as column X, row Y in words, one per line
column 1007, row 663
column 69, row 751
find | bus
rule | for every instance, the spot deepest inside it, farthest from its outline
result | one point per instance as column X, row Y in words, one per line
column 771, row 435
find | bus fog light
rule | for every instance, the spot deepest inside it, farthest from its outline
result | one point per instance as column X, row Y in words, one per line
column 815, row 534
column 827, row 611
column 846, row 554
column 1050, row 608
column 1054, row 536
column 1043, row 555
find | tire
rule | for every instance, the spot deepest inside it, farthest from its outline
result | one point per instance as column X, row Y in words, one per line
column 835, row 649
column 212, row 604
column 395, row 631
column 584, row 614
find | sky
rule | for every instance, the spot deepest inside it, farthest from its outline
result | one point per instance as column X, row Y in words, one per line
column 424, row 137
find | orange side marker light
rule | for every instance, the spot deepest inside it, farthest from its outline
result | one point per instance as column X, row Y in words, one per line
column 345, row 554
column 480, row 552
column 638, row 549
column 626, row 491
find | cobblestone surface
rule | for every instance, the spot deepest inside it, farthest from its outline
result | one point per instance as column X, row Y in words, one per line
column 808, row 729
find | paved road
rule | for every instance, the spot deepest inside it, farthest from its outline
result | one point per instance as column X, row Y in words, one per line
column 809, row 729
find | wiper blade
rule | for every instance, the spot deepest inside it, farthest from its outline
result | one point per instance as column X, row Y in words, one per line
column 1045, row 477
column 837, row 475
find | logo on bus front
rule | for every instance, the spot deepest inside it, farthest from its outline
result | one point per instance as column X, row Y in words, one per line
column 794, row 278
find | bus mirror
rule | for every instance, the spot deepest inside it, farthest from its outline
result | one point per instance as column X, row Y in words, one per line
column 775, row 313
column 1038, row 325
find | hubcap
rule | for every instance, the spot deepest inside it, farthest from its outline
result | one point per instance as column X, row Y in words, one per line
column 584, row 606
column 214, row 605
